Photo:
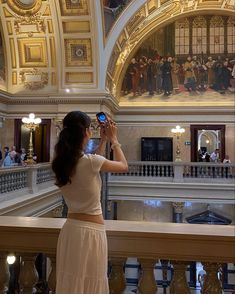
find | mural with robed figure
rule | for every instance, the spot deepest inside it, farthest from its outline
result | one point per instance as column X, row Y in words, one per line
column 192, row 56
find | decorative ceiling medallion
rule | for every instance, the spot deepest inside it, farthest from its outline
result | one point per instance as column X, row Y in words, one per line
column 78, row 52
column 34, row 79
column 25, row 7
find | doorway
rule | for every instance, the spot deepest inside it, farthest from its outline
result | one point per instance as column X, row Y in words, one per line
column 41, row 139
column 205, row 139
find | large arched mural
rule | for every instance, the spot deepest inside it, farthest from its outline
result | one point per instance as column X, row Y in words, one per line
column 168, row 34
column 193, row 54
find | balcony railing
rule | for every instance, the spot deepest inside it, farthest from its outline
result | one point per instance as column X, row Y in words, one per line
column 26, row 179
column 180, row 171
column 178, row 244
column 174, row 181
column 28, row 191
column 32, row 178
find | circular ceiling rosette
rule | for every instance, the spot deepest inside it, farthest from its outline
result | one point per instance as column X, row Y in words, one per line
column 25, row 7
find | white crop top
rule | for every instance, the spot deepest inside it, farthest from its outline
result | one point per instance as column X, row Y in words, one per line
column 82, row 195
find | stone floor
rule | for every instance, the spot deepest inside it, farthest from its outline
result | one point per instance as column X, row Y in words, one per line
column 183, row 98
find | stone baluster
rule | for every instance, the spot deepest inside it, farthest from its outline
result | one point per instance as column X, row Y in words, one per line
column 28, row 273
column 179, row 282
column 147, row 283
column 52, row 275
column 164, row 264
column 212, row 284
column 117, row 282
column 4, row 272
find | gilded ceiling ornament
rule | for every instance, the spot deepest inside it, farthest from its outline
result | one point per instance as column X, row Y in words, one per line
column 30, row 24
column 25, row 7
column 230, row 4
column 114, row 89
column 34, row 79
column 188, row 5
column 178, row 207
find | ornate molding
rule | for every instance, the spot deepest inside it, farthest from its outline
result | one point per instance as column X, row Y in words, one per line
column 25, row 7
column 30, row 24
column 178, row 207
column 34, row 79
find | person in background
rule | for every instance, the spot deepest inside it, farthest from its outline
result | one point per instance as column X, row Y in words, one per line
column 82, row 245
column 8, row 160
column 23, row 154
column 228, row 170
column 35, row 157
column 6, row 151
column 226, row 159
column 214, row 157
column 207, row 157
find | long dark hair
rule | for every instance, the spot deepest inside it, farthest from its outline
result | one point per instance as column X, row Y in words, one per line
column 69, row 147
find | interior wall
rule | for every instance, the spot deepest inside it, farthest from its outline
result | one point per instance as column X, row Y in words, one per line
column 159, row 211
column 7, row 133
column 230, row 142
column 130, row 138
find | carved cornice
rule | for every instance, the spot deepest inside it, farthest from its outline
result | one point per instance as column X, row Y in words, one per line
column 86, row 98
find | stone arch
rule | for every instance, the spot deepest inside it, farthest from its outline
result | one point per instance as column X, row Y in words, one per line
column 144, row 23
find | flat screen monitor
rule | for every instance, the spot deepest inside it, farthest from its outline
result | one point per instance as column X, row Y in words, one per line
column 156, row 149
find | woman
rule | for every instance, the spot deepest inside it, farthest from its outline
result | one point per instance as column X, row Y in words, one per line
column 82, row 245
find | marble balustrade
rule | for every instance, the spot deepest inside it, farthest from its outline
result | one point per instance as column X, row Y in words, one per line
column 180, row 171
column 178, row 244
column 25, row 178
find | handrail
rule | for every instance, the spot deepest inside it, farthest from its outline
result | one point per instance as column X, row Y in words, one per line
column 188, row 242
column 179, row 170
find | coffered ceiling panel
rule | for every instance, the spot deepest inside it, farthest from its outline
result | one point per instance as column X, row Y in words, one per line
column 78, row 52
column 33, row 53
column 74, row 7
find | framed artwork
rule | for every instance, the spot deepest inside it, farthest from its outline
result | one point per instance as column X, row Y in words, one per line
column 193, row 55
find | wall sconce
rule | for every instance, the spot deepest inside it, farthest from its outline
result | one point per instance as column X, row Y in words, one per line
column 178, row 131
column 31, row 123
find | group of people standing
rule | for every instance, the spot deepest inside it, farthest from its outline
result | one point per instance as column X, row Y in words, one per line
column 11, row 157
column 163, row 74
column 204, row 156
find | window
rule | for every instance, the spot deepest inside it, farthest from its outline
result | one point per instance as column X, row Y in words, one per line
column 182, row 37
column 216, row 35
column 199, row 38
column 231, row 35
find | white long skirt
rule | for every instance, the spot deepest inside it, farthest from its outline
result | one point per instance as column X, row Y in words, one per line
column 81, row 262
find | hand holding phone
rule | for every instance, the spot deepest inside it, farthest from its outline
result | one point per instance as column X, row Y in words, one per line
column 101, row 117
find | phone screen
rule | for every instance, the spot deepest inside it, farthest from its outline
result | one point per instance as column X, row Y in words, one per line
column 101, row 116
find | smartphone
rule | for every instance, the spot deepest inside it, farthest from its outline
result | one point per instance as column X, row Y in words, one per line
column 101, row 117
